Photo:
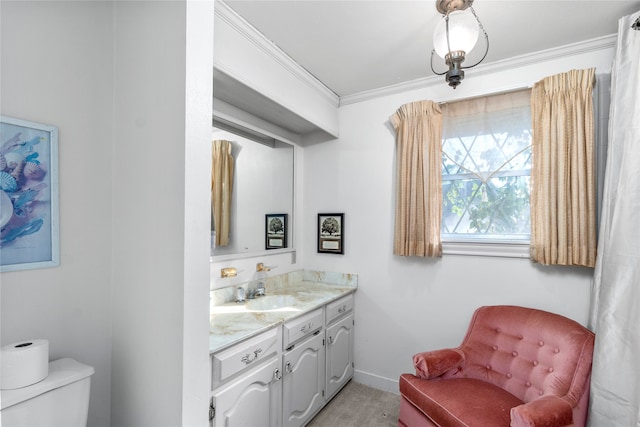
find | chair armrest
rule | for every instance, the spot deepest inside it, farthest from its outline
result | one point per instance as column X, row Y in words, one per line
column 432, row 364
column 548, row 411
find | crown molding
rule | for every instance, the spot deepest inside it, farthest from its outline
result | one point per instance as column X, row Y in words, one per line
column 599, row 43
column 248, row 31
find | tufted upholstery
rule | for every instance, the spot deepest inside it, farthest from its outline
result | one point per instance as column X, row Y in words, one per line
column 516, row 366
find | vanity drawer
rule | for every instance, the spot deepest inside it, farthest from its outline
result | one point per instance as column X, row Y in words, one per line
column 301, row 327
column 339, row 308
column 227, row 363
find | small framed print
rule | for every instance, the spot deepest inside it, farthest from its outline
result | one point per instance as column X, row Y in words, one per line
column 331, row 233
column 275, row 231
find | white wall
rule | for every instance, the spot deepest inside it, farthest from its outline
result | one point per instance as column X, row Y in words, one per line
column 57, row 68
column 197, row 183
column 162, row 104
column 407, row 305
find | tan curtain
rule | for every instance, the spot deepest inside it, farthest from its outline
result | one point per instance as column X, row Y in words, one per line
column 563, row 217
column 419, row 179
column 221, row 190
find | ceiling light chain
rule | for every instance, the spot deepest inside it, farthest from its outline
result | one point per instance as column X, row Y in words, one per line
column 486, row 37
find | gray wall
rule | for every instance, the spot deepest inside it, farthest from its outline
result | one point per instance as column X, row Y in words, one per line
column 57, row 68
column 128, row 84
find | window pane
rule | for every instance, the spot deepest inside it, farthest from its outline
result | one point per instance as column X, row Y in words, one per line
column 485, row 174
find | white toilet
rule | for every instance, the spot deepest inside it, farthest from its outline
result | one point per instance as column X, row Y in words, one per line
column 61, row 399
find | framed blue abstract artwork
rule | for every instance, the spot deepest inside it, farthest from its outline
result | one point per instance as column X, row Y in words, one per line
column 29, row 224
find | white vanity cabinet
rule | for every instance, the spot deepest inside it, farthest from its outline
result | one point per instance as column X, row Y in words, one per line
column 247, row 386
column 339, row 344
column 284, row 376
column 303, row 368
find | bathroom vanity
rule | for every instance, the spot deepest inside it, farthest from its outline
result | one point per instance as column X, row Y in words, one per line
column 278, row 359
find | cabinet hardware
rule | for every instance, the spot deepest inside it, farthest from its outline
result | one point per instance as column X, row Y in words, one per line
column 228, row 272
column 212, row 411
column 248, row 358
column 330, row 339
column 316, row 332
column 306, row 328
column 277, row 375
column 342, row 309
column 287, row 368
column 291, row 347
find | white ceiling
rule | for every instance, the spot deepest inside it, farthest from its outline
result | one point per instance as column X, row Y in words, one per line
column 359, row 45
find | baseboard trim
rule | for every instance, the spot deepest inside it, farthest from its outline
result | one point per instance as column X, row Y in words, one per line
column 376, row 381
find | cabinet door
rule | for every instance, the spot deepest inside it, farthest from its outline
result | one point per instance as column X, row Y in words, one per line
column 251, row 400
column 303, row 381
column 339, row 355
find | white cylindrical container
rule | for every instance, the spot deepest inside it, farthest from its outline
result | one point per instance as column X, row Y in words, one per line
column 23, row 363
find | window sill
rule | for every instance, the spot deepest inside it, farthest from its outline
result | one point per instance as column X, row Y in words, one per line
column 489, row 249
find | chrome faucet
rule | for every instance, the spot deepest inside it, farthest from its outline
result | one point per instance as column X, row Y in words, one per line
column 240, row 294
column 259, row 292
column 252, row 293
column 261, row 277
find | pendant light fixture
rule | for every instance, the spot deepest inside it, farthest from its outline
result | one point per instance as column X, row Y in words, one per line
column 455, row 36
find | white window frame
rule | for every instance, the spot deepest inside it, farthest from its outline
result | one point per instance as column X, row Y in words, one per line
column 502, row 249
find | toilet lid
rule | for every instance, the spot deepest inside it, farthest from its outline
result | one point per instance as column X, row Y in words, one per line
column 61, row 373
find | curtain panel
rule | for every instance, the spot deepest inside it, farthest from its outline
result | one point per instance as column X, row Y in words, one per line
column 615, row 318
column 419, row 179
column 563, row 203
column 221, row 190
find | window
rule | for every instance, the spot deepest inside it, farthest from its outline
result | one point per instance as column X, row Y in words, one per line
column 486, row 162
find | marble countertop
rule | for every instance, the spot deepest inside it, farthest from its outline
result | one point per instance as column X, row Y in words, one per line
column 231, row 322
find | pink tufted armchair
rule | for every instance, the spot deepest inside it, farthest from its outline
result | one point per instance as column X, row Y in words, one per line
column 515, row 367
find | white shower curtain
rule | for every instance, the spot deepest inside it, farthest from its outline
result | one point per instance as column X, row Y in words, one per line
column 615, row 311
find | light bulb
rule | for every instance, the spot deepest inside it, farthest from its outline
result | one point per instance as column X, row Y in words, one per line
column 463, row 33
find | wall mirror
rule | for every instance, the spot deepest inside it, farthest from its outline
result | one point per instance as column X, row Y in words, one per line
column 262, row 190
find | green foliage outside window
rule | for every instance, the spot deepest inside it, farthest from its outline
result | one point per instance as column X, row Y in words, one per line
column 486, row 185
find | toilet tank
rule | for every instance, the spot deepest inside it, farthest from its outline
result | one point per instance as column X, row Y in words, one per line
column 61, row 399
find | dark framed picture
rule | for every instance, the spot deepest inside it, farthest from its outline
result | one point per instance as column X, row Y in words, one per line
column 331, row 233
column 275, row 231
column 29, row 222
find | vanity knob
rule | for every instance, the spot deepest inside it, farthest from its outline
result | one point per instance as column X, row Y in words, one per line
column 277, row 375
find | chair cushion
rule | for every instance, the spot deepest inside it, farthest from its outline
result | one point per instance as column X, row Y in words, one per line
column 459, row 401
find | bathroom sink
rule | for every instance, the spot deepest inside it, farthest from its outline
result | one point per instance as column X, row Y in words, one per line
column 271, row 302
